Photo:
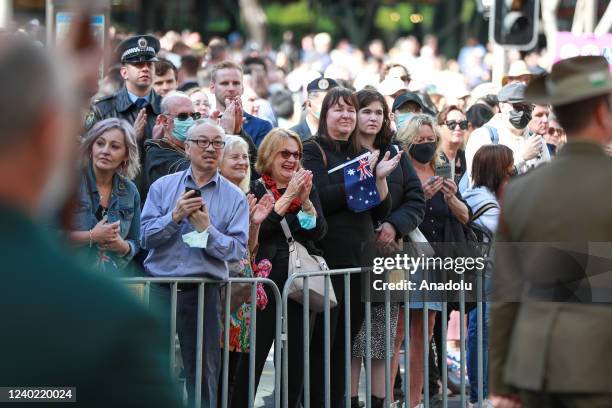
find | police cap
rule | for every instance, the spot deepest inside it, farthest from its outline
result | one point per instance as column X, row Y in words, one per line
column 139, row 48
column 321, row 85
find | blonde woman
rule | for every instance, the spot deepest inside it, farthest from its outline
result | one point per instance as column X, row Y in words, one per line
column 107, row 218
column 420, row 138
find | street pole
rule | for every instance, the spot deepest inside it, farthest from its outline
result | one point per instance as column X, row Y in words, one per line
column 590, row 16
column 500, row 63
column 6, row 13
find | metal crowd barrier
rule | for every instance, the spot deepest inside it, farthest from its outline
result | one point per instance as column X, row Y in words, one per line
column 282, row 338
column 144, row 294
column 347, row 274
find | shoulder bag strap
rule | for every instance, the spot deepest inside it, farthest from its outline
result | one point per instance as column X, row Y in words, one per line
column 483, row 210
column 493, row 134
column 283, row 222
column 322, row 152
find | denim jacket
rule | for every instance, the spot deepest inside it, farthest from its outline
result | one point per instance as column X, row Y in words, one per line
column 124, row 206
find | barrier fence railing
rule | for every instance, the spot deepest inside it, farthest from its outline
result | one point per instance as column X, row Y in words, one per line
column 347, row 274
column 144, row 294
column 283, row 341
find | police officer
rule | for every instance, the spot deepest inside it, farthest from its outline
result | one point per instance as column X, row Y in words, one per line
column 317, row 89
column 136, row 101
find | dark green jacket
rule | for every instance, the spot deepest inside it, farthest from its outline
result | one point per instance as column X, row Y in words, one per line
column 63, row 325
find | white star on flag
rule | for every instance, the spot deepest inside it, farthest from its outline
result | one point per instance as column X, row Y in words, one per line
column 351, row 172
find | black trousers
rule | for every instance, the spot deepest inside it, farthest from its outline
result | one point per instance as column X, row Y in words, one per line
column 186, row 327
column 337, row 341
column 265, row 332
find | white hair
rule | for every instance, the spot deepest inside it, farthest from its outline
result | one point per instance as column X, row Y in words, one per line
column 202, row 122
column 231, row 143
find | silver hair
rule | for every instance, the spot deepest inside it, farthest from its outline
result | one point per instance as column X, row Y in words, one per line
column 29, row 81
column 231, row 143
column 167, row 100
column 131, row 168
column 201, row 122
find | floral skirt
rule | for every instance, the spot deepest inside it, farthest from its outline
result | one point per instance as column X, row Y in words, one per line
column 239, row 322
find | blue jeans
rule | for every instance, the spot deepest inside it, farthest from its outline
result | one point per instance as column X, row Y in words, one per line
column 472, row 352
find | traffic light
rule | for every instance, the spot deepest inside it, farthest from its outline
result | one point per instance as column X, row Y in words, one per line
column 514, row 23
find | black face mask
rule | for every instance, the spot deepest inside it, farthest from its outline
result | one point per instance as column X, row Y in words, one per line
column 519, row 118
column 422, row 152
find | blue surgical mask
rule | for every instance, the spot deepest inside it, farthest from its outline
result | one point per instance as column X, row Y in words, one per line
column 181, row 127
column 402, row 118
column 307, row 221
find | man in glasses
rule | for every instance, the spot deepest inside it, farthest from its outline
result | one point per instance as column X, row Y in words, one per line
column 193, row 221
column 167, row 155
column 510, row 128
column 136, row 101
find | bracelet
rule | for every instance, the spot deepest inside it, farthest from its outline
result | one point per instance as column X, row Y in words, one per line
column 128, row 250
column 90, row 238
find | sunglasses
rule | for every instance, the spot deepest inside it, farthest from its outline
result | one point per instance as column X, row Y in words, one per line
column 553, row 130
column 286, row 154
column 452, row 124
column 184, row 116
column 522, row 107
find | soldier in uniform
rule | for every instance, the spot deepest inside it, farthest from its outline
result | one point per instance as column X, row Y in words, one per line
column 551, row 350
column 136, row 101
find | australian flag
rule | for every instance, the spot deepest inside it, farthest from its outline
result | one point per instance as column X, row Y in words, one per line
column 360, row 185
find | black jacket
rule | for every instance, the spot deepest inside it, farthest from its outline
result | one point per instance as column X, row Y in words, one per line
column 272, row 242
column 120, row 106
column 408, row 201
column 350, row 238
column 162, row 159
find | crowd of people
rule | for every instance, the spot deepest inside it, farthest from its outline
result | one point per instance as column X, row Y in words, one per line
column 198, row 161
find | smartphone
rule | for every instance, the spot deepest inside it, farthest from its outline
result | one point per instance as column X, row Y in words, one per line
column 444, row 170
column 198, row 193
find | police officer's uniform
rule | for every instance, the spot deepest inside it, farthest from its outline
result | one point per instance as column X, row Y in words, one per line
column 318, row 85
column 141, row 48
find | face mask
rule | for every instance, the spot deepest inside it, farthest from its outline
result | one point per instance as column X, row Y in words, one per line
column 181, row 127
column 307, row 221
column 422, row 152
column 317, row 114
column 519, row 119
column 401, row 118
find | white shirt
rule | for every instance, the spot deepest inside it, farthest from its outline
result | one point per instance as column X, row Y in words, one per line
column 516, row 143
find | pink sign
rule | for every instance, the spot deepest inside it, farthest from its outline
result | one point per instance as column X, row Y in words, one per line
column 570, row 45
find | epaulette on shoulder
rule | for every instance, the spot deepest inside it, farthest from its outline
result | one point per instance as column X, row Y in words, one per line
column 104, row 98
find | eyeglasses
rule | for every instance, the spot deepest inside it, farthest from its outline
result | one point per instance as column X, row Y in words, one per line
column 451, row 124
column 285, row 154
column 553, row 130
column 204, row 143
column 184, row 116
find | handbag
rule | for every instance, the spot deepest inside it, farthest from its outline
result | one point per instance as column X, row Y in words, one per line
column 301, row 261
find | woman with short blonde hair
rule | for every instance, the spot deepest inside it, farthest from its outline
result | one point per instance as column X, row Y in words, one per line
column 270, row 146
